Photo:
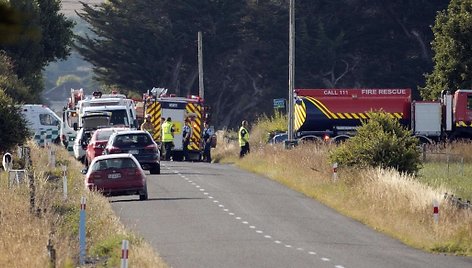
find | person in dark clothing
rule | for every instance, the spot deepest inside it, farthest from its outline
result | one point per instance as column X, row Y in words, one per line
column 186, row 136
column 207, row 133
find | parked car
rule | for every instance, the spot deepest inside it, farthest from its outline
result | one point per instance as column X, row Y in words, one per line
column 140, row 144
column 117, row 174
column 97, row 143
column 90, row 123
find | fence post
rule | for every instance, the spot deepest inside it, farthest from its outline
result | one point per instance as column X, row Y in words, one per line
column 51, row 253
column 82, row 231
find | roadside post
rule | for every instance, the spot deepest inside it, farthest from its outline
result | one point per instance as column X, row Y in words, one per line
column 64, row 181
column 124, row 254
column 436, row 211
column 335, row 171
column 82, row 231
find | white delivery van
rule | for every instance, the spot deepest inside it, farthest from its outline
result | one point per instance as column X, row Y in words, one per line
column 43, row 123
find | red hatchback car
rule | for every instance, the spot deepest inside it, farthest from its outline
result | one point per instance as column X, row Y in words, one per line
column 98, row 141
column 117, row 174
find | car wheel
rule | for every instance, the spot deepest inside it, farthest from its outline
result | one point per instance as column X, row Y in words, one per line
column 143, row 195
column 156, row 169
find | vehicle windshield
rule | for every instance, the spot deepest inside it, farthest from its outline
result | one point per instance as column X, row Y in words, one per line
column 113, row 163
column 119, row 117
column 136, row 140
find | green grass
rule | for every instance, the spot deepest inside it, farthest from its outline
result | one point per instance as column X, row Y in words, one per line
column 455, row 176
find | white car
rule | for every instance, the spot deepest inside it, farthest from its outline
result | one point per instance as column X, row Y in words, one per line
column 90, row 123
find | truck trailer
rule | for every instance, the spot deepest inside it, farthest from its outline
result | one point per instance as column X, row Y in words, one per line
column 335, row 114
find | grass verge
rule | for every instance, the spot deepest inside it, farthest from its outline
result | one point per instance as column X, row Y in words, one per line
column 395, row 204
column 26, row 229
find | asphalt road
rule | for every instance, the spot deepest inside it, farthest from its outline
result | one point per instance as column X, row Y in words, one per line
column 211, row 215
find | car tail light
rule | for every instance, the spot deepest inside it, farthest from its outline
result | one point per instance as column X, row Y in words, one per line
column 134, row 172
column 151, row 147
column 114, row 150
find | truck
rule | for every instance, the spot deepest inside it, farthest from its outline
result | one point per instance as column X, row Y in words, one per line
column 160, row 105
column 335, row 114
column 123, row 112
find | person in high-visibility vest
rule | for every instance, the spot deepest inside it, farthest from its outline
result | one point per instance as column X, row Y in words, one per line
column 168, row 138
column 147, row 125
column 243, row 139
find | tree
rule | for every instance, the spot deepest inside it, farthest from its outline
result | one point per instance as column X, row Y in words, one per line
column 452, row 46
column 357, row 43
column 46, row 35
column 13, row 126
column 380, row 142
column 9, row 82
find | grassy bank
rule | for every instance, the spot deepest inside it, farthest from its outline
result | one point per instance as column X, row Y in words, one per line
column 25, row 232
column 398, row 205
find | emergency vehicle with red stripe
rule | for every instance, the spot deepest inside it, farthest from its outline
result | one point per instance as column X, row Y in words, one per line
column 334, row 114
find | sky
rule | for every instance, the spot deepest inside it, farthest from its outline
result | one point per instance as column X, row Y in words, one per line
column 69, row 6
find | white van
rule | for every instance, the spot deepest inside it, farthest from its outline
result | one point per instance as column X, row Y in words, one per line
column 43, row 123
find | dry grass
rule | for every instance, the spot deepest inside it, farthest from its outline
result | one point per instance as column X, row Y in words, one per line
column 24, row 235
column 395, row 204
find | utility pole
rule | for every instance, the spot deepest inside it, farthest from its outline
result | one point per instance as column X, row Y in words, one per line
column 201, row 89
column 291, row 75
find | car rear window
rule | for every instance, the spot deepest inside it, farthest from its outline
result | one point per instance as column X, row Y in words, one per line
column 113, row 163
column 140, row 139
column 104, row 134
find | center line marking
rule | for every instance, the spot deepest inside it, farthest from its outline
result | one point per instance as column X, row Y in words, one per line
column 268, row 236
column 325, row 259
column 312, row 253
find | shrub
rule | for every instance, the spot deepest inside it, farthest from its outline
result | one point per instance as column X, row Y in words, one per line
column 380, row 142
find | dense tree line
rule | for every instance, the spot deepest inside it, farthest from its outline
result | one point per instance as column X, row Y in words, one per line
column 32, row 34
column 37, row 35
column 357, row 43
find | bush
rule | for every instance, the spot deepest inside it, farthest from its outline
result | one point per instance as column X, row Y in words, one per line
column 380, row 142
column 266, row 127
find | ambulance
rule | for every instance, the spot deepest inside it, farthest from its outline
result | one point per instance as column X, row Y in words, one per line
column 43, row 123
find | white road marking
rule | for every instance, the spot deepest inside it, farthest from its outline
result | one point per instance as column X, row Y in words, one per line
column 245, row 222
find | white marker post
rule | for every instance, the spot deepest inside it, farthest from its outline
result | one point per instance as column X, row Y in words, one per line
column 124, row 254
column 82, row 232
column 335, row 171
column 436, row 211
column 64, row 181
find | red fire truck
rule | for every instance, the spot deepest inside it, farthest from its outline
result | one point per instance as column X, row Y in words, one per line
column 336, row 113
